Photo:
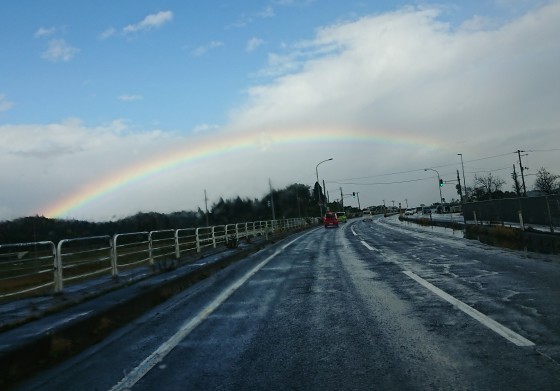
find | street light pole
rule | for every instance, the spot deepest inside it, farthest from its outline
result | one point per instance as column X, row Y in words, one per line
column 317, row 174
column 439, row 180
column 464, row 181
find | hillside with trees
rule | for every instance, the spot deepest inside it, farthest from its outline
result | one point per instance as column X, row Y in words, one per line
column 295, row 200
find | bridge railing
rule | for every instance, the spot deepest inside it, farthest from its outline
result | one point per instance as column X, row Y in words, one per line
column 38, row 268
column 26, row 268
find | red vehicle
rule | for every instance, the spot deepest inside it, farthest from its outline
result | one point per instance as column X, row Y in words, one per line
column 330, row 220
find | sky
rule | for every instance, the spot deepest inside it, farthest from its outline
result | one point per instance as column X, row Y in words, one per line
column 108, row 109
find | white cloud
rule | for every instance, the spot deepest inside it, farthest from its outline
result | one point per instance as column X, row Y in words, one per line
column 204, row 128
column 109, row 32
column 409, row 70
column 267, row 12
column 149, row 22
column 5, row 104
column 59, row 50
column 476, row 23
column 247, row 19
column 253, row 44
column 130, row 97
column 203, row 49
column 45, row 32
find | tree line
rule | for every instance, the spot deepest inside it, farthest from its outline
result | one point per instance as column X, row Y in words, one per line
column 295, row 200
column 488, row 187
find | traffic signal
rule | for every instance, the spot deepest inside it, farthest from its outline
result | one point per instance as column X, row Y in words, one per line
column 441, row 183
column 354, row 194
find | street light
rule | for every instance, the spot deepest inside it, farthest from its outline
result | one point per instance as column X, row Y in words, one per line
column 317, row 174
column 439, row 185
column 464, row 182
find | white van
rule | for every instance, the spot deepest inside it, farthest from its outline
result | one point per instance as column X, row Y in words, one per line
column 366, row 215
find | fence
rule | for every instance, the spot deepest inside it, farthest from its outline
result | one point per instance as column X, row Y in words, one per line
column 41, row 267
column 526, row 212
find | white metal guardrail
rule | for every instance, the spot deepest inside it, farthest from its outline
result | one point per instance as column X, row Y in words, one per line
column 26, row 268
column 41, row 267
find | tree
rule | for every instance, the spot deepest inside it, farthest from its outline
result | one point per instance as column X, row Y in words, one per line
column 546, row 182
column 487, row 186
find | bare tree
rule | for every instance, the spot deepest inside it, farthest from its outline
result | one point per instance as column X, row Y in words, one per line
column 489, row 184
column 546, row 182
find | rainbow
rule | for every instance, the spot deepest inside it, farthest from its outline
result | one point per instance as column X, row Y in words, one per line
column 221, row 144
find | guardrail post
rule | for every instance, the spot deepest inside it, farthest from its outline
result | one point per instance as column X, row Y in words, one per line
column 114, row 269
column 213, row 237
column 58, row 277
column 177, row 249
column 198, row 249
column 150, row 248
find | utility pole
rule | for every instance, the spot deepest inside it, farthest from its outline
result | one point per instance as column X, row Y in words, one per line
column 522, row 176
column 460, row 189
column 516, row 181
column 206, row 206
column 464, row 180
column 341, row 199
column 326, row 195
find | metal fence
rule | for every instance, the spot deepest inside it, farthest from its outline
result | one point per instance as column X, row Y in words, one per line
column 42, row 267
column 542, row 212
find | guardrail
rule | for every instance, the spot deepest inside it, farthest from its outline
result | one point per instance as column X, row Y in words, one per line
column 39, row 268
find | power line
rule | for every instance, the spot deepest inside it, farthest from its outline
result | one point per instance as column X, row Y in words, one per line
column 380, row 183
column 343, row 181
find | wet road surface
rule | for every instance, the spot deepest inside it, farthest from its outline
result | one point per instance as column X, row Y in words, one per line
column 376, row 305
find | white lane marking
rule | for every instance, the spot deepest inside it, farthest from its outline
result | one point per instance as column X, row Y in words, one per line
column 485, row 320
column 369, row 247
column 159, row 354
column 354, row 232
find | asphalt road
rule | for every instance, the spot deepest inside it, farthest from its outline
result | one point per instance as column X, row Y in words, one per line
column 369, row 306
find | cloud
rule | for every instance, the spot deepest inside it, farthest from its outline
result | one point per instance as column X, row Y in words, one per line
column 203, row 49
column 246, row 19
column 204, row 128
column 253, row 44
column 109, row 32
column 59, row 50
column 44, row 32
column 5, row 104
column 150, row 22
column 267, row 12
column 130, row 97
column 409, row 70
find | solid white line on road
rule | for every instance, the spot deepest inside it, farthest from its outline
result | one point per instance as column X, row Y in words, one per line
column 159, row 354
column 369, row 247
column 485, row 320
column 354, row 232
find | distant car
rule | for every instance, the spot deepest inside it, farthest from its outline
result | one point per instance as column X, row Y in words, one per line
column 409, row 212
column 341, row 217
column 366, row 215
column 330, row 220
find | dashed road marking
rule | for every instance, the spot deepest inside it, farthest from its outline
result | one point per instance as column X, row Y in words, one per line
column 368, row 246
column 502, row 330
column 498, row 328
